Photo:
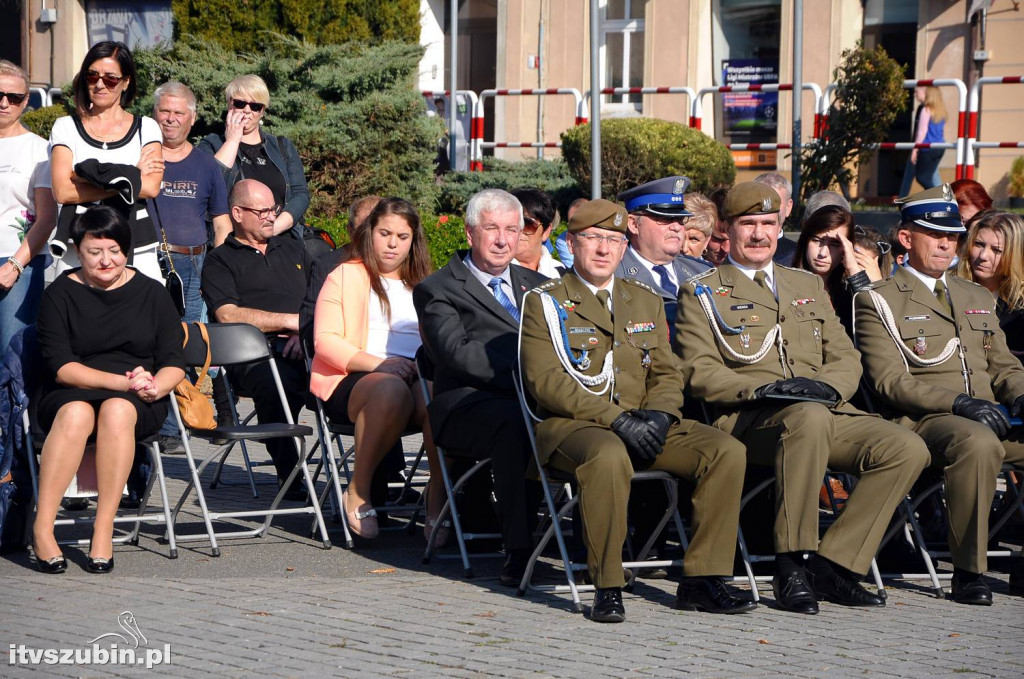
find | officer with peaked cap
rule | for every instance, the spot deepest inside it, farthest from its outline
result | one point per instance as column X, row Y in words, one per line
column 761, row 345
column 656, row 228
column 596, row 358
column 938, row 361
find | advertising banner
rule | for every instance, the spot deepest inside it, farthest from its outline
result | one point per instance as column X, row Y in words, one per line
column 136, row 24
column 751, row 117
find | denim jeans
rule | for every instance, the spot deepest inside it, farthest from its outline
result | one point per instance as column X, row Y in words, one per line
column 190, row 268
column 926, row 171
column 20, row 304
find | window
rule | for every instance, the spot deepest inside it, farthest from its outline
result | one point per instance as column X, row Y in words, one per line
column 622, row 51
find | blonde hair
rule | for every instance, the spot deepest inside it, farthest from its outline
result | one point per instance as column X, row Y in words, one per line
column 933, row 100
column 1011, row 264
column 13, row 70
column 705, row 214
column 248, row 86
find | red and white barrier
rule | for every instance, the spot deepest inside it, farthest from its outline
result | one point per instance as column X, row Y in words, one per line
column 473, row 105
column 970, row 157
column 477, row 128
column 688, row 91
column 697, row 112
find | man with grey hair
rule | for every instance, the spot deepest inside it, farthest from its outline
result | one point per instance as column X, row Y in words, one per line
column 820, row 199
column 786, row 247
column 192, row 193
column 469, row 321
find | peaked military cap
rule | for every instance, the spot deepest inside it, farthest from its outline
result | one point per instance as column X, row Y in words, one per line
column 662, row 197
column 751, row 198
column 600, row 213
column 934, row 208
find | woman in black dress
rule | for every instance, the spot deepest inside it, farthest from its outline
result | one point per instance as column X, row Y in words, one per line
column 112, row 344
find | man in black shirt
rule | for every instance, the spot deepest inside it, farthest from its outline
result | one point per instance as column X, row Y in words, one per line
column 260, row 279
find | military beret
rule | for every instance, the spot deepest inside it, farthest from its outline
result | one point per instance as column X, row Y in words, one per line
column 751, row 198
column 663, row 197
column 935, row 209
column 600, row 213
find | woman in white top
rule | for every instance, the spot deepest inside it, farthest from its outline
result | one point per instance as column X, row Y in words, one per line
column 103, row 130
column 366, row 335
column 27, row 210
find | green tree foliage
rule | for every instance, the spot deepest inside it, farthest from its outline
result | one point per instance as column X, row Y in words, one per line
column 445, row 234
column 41, row 120
column 352, row 110
column 548, row 175
column 868, row 98
column 638, row 150
column 237, row 24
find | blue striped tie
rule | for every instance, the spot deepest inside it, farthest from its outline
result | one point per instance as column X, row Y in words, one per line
column 503, row 299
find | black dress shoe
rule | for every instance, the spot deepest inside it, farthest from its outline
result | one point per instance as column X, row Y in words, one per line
column 53, row 565
column 608, row 606
column 973, row 591
column 830, row 585
column 794, row 593
column 710, row 595
column 514, row 567
column 99, row 565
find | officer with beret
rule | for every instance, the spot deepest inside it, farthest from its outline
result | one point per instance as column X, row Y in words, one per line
column 936, row 357
column 761, row 345
column 596, row 358
column 656, row 229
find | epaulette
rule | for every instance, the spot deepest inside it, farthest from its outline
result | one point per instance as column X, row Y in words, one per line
column 547, row 285
column 692, row 280
column 793, row 268
column 640, row 284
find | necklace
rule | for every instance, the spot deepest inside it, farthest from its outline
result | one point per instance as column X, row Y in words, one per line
column 90, row 127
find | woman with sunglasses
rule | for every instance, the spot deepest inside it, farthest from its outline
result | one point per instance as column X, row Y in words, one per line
column 101, row 129
column 540, row 216
column 366, row 335
column 27, row 209
column 246, row 152
column 826, row 247
column 992, row 255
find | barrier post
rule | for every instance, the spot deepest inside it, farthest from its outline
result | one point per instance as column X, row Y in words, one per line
column 698, row 111
column 473, row 106
column 970, row 158
column 478, row 120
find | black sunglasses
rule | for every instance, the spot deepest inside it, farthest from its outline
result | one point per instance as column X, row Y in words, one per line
column 254, row 106
column 111, row 81
column 15, row 98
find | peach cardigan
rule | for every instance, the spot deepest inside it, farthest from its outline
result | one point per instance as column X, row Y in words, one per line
column 340, row 326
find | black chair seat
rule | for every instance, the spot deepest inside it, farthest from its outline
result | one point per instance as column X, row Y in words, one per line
column 255, row 432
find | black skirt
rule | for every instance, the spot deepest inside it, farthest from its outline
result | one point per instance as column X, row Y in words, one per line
column 149, row 416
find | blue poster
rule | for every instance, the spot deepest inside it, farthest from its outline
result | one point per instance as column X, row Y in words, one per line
column 752, row 116
column 136, row 24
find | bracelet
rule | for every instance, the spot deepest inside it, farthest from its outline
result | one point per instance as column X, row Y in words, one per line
column 13, row 261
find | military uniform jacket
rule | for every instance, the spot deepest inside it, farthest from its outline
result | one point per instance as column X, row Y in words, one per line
column 685, row 268
column 721, row 367
column 644, row 369
column 911, row 381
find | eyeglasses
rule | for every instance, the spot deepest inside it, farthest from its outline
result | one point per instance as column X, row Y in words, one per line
column 263, row 213
column 530, row 226
column 15, row 98
column 594, row 239
column 111, row 81
column 254, row 106
column 884, row 246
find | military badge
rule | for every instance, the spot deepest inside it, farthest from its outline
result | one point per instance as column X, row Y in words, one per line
column 722, row 291
column 801, row 302
column 766, row 204
column 593, row 340
column 645, row 362
column 584, row 362
column 569, row 305
column 618, row 219
column 632, row 271
column 745, row 340
column 986, row 342
column 920, row 346
column 817, row 334
column 755, row 318
column 976, row 311
column 640, row 327
column 679, row 187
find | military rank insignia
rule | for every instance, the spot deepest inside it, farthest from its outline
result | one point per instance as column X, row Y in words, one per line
column 745, row 340
column 801, row 302
column 640, row 327
column 632, row 271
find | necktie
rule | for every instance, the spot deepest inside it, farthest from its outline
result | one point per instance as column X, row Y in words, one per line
column 666, row 281
column 602, row 297
column 761, row 278
column 942, row 298
column 502, row 298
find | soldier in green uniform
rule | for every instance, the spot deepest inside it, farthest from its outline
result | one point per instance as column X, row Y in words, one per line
column 761, row 345
column 596, row 357
column 938, row 361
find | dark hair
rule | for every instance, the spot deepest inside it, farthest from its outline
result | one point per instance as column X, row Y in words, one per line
column 970, row 192
column 101, row 50
column 539, row 204
column 416, row 266
column 873, row 239
column 823, row 219
column 717, row 196
column 102, row 221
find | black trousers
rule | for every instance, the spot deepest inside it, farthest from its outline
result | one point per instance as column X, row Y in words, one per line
column 494, row 429
column 257, row 382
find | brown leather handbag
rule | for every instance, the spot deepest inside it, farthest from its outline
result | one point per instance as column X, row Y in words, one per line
column 195, row 408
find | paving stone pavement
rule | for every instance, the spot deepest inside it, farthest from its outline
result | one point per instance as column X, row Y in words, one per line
column 281, row 606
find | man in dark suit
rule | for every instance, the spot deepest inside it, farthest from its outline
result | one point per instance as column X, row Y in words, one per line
column 469, row 320
column 656, row 228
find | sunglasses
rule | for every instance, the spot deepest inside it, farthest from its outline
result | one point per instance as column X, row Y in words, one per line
column 264, row 213
column 254, row 106
column 530, row 226
column 15, row 98
column 111, row 81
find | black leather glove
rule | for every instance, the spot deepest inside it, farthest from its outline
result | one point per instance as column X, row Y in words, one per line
column 659, row 421
column 1017, row 407
column 639, row 437
column 799, row 386
column 979, row 410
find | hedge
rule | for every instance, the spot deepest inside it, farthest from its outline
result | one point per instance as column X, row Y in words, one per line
column 548, row 175
column 445, row 234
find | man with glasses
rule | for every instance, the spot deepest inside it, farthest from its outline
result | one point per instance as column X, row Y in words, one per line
column 610, row 396
column 761, row 345
column 656, row 229
column 258, row 278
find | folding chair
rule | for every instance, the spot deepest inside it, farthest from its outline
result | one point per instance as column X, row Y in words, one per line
column 242, row 344
column 558, row 514
column 425, row 372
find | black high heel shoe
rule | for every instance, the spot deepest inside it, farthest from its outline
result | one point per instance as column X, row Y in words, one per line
column 98, row 565
column 53, row 565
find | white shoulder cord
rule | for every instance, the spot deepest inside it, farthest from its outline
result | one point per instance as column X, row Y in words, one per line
column 555, row 331
column 773, row 335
